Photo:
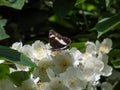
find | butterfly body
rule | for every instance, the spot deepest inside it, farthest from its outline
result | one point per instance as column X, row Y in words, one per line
column 57, row 41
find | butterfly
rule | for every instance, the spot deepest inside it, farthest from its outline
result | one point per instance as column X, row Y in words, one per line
column 57, row 41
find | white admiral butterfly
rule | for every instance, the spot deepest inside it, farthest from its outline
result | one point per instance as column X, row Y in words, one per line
column 57, row 41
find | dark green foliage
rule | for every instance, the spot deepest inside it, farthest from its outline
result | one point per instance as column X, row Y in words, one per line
column 80, row 20
column 15, row 56
column 18, row 77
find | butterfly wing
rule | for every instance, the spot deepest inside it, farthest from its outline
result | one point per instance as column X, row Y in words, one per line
column 57, row 41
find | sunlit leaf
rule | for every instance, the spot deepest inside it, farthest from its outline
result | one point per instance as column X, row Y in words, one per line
column 17, row 4
column 79, row 45
column 107, row 24
column 4, row 71
column 15, row 56
column 108, row 2
column 78, row 2
column 3, row 34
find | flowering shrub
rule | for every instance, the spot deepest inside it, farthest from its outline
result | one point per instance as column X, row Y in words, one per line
column 68, row 69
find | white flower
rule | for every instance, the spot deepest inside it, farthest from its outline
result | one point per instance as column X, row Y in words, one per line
column 40, row 71
column 56, row 84
column 93, row 63
column 62, row 60
column 91, row 48
column 2, row 61
column 40, row 50
column 77, row 55
column 27, row 50
column 107, row 70
column 105, row 46
column 73, row 79
column 17, row 46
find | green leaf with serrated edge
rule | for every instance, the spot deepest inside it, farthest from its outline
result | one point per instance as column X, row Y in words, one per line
column 107, row 24
column 19, row 76
column 16, row 4
column 62, row 7
column 3, row 34
column 15, row 56
column 4, row 71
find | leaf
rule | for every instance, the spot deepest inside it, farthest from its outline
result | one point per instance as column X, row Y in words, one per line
column 115, row 53
column 18, row 77
column 116, row 63
column 79, row 45
column 3, row 22
column 16, row 4
column 107, row 24
column 78, row 2
column 3, row 34
column 4, row 71
column 15, row 56
column 62, row 7
column 108, row 2
column 61, row 22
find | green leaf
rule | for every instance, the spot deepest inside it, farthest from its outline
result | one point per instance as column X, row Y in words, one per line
column 3, row 34
column 116, row 63
column 61, row 22
column 18, row 77
column 108, row 2
column 16, row 4
column 115, row 53
column 79, row 45
column 4, row 71
column 3, row 22
column 62, row 7
column 15, row 56
column 107, row 24
column 78, row 2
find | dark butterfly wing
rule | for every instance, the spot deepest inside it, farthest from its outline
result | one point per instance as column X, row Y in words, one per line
column 57, row 41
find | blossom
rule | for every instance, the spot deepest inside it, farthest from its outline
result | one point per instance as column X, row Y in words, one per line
column 62, row 60
column 68, row 69
column 107, row 70
column 73, row 79
column 2, row 61
column 56, row 84
column 105, row 46
column 17, row 46
column 40, row 50
column 77, row 56
column 40, row 71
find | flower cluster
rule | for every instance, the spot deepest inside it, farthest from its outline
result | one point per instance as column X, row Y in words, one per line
column 68, row 69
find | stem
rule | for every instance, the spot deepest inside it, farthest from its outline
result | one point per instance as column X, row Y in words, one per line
column 85, row 19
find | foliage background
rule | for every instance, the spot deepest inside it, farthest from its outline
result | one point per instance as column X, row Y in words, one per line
column 81, row 20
